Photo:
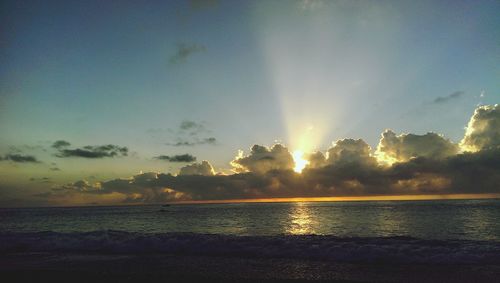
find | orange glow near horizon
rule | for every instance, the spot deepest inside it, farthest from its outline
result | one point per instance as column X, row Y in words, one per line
column 352, row 198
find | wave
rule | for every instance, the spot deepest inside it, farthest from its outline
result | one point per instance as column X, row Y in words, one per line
column 313, row 247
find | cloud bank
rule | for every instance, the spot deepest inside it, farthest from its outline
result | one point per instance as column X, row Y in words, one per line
column 402, row 164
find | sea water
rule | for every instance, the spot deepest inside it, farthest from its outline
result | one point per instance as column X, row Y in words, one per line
column 444, row 231
column 436, row 219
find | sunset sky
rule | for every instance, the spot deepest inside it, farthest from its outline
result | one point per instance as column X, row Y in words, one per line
column 110, row 102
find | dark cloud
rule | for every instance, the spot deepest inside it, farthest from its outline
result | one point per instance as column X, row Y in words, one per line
column 25, row 147
column 41, row 180
column 191, row 125
column 188, row 134
column 78, row 186
column 60, row 144
column 89, row 151
column 185, row 50
column 19, row 158
column 177, row 158
column 210, row 140
column 452, row 96
column 423, row 164
column 195, row 141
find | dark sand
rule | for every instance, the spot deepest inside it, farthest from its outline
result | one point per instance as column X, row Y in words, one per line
column 74, row 267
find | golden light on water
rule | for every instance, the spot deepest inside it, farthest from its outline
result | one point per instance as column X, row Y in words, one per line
column 300, row 162
column 300, row 220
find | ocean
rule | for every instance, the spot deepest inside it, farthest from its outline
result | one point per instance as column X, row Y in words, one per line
column 476, row 220
column 383, row 241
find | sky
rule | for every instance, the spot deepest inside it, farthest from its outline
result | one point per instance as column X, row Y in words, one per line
column 93, row 92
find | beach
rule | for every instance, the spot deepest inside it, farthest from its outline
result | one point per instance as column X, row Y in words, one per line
column 74, row 267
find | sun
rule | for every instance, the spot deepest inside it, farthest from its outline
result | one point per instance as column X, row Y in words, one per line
column 300, row 162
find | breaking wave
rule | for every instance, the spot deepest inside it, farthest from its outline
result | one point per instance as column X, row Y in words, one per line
column 314, row 247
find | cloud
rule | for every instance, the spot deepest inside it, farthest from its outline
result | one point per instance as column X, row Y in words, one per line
column 185, row 50
column 41, row 180
column 60, row 144
column 483, row 130
column 426, row 164
column 210, row 140
column 19, row 158
column 400, row 148
column 348, row 151
column 188, row 134
column 89, row 151
column 262, row 159
column 452, row 96
column 191, row 125
column 417, row 176
column 315, row 159
column 193, row 142
column 141, row 188
column 177, row 158
column 204, row 168
column 78, row 186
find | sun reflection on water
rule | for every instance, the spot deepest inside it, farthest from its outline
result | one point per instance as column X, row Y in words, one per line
column 300, row 220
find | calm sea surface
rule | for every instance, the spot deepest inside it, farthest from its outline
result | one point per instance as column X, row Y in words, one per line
column 448, row 219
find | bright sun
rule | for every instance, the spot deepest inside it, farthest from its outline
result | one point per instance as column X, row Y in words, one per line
column 300, row 162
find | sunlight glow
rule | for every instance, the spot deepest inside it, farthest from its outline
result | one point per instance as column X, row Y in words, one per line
column 301, row 220
column 300, row 162
column 352, row 198
column 384, row 159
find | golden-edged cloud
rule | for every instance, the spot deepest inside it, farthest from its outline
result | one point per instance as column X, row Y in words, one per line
column 204, row 168
column 483, row 130
column 263, row 159
column 401, row 148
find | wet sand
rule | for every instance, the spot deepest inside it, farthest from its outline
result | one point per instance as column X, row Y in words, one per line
column 88, row 267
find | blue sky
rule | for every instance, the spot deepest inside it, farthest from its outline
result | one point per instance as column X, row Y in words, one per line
column 252, row 72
